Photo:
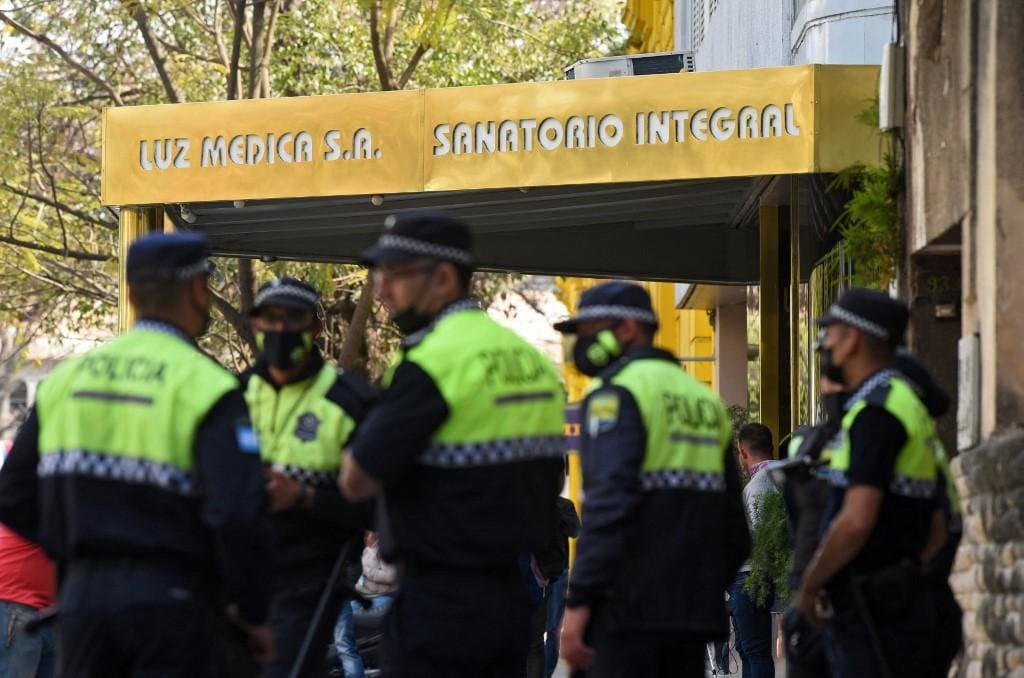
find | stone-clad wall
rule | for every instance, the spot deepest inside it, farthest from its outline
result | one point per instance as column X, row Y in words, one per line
column 989, row 574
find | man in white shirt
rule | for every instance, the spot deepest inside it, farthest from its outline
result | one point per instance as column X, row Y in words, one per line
column 753, row 622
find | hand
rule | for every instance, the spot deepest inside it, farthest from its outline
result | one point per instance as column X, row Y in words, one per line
column 573, row 649
column 259, row 637
column 807, row 602
column 284, row 492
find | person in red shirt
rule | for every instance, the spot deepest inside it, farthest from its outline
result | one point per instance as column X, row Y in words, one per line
column 27, row 585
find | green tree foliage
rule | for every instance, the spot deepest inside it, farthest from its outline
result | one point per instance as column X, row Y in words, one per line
column 62, row 62
column 870, row 223
column 770, row 554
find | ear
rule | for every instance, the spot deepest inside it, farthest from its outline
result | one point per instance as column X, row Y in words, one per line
column 627, row 332
column 448, row 277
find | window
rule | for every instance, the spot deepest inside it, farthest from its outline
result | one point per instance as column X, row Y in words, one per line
column 697, row 22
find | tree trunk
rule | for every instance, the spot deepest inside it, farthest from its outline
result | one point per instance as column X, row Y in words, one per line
column 356, row 335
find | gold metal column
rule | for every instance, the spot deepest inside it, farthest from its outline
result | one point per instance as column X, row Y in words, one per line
column 769, row 294
column 795, row 345
column 133, row 223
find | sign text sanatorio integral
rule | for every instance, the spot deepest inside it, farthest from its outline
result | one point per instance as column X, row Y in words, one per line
column 590, row 131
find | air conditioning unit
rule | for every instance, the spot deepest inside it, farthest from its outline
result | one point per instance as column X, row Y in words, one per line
column 631, row 64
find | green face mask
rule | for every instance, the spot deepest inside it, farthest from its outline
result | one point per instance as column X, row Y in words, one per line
column 285, row 349
column 593, row 353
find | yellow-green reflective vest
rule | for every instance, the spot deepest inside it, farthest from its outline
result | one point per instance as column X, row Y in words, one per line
column 301, row 431
column 129, row 410
column 688, row 426
column 505, row 400
column 916, row 468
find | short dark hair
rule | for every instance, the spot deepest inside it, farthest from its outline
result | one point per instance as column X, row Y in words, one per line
column 879, row 349
column 156, row 295
column 758, row 438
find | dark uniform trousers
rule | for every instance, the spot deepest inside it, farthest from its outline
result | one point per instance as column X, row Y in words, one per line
column 291, row 612
column 634, row 653
column 448, row 622
column 133, row 620
column 904, row 639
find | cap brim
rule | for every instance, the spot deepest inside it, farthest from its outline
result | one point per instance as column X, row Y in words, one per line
column 377, row 255
column 827, row 319
column 569, row 326
column 285, row 301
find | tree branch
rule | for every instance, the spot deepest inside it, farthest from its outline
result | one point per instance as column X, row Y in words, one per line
column 156, row 53
column 259, row 9
column 383, row 67
column 356, row 335
column 178, row 49
column 237, row 321
column 59, row 251
column 268, row 49
column 421, row 50
column 234, row 77
column 59, row 51
column 109, row 225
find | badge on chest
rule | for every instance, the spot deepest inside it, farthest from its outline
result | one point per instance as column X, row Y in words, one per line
column 306, row 427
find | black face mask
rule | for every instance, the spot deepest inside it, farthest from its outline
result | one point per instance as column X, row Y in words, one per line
column 594, row 352
column 829, row 369
column 832, row 405
column 410, row 320
column 285, row 349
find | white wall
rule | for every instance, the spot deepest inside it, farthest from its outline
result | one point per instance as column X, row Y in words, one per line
column 762, row 33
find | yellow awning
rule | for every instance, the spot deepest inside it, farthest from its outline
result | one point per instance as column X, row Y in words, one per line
column 752, row 123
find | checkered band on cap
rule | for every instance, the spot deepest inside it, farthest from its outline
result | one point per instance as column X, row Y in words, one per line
column 426, row 249
column 861, row 323
column 267, row 295
column 614, row 311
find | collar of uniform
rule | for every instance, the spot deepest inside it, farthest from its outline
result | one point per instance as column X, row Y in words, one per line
column 877, row 379
column 464, row 304
column 636, row 353
column 308, row 371
column 151, row 325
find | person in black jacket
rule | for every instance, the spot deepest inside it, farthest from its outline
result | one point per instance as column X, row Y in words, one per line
column 137, row 471
column 304, row 411
column 664, row 526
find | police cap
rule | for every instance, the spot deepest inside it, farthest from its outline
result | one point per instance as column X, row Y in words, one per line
column 287, row 292
column 168, row 256
column 613, row 301
column 870, row 311
column 419, row 234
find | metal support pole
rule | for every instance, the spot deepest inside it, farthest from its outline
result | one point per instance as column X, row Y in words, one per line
column 133, row 223
column 794, row 305
column 769, row 315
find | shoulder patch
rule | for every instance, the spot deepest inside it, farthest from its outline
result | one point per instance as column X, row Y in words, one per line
column 602, row 412
column 248, row 441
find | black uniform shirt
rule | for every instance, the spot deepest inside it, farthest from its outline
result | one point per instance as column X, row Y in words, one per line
column 307, row 542
column 654, row 559
column 223, row 529
column 484, row 516
column 876, row 438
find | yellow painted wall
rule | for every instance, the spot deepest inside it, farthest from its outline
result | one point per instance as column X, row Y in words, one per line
column 650, row 25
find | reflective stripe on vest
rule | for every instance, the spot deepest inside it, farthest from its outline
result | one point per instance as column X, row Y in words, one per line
column 129, row 411
column 505, row 400
column 301, row 432
column 687, row 426
column 915, row 471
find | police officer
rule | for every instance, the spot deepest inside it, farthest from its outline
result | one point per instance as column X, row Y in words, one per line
column 884, row 479
column 304, row 411
column 939, row 554
column 664, row 529
column 147, row 478
column 466, row 451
